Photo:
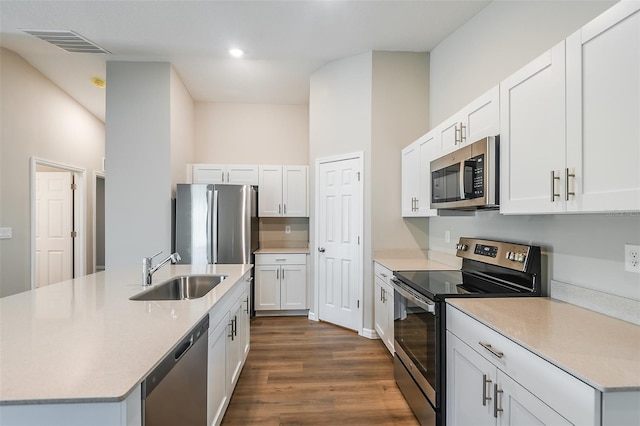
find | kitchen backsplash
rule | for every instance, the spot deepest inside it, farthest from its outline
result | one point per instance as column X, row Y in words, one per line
column 273, row 232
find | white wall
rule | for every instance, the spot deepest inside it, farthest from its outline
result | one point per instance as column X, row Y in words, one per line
column 586, row 250
column 38, row 119
column 251, row 133
column 340, row 123
column 374, row 103
column 138, row 162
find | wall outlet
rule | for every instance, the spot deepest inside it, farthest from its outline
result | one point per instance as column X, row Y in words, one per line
column 632, row 258
column 287, row 229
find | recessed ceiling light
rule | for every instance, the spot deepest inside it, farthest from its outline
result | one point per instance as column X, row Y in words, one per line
column 236, row 53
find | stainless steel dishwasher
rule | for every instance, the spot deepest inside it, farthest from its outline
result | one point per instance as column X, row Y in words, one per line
column 175, row 393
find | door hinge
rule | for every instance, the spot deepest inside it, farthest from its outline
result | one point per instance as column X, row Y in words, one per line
column 358, row 304
column 358, row 174
column 74, row 234
column 73, row 187
column 358, row 239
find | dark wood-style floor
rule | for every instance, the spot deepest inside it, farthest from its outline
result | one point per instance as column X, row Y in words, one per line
column 306, row 372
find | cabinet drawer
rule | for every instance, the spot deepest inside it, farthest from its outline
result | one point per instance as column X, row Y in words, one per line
column 575, row 400
column 382, row 272
column 281, row 259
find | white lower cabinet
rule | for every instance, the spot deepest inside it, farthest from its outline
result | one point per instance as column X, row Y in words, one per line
column 281, row 282
column 384, row 300
column 229, row 336
column 492, row 380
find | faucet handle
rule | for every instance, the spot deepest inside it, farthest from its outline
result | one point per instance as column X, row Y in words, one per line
column 176, row 257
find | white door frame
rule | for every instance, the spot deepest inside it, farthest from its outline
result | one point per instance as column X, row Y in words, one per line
column 96, row 176
column 79, row 214
column 316, row 288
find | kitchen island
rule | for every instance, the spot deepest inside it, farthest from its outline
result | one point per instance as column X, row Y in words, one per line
column 83, row 342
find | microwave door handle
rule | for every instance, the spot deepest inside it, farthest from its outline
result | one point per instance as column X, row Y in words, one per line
column 466, row 185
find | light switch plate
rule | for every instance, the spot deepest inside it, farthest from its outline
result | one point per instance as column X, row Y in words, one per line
column 5, row 233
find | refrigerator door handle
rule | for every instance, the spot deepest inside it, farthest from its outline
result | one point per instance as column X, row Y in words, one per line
column 214, row 234
column 209, row 223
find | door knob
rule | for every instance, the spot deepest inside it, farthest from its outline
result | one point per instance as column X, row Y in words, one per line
column 321, row 249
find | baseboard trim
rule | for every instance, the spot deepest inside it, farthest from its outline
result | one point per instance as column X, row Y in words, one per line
column 369, row 333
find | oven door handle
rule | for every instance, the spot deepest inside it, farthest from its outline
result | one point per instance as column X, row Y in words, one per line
column 429, row 307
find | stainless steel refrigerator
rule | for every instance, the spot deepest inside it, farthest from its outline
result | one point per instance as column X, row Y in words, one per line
column 216, row 223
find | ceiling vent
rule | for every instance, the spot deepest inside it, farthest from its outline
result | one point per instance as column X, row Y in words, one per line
column 67, row 40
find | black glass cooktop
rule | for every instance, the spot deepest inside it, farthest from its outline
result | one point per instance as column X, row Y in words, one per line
column 431, row 283
column 439, row 284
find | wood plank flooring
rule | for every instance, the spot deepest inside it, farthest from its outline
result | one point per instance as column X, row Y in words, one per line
column 307, row 372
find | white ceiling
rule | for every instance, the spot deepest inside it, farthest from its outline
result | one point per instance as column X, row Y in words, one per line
column 284, row 41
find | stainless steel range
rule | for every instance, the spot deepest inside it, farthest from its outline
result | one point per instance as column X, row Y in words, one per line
column 489, row 269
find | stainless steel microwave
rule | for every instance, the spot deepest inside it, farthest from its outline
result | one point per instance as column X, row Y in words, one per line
column 468, row 178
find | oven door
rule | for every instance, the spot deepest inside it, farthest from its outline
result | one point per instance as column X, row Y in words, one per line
column 415, row 330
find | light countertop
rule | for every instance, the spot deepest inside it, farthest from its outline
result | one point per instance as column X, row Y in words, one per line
column 84, row 341
column 413, row 264
column 602, row 351
column 283, row 250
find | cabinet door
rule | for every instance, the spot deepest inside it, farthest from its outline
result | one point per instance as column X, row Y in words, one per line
column 603, row 106
column 532, row 136
column 449, row 134
column 514, row 405
column 267, row 289
column 470, row 380
column 389, row 304
column 235, row 344
column 428, row 152
column 381, row 319
column 270, row 191
column 482, row 117
column 217, row 389
column 244, row 327
column 293, row 287
column 242, row 175
column 209, row 173
column 410, row 180
column 294, row 191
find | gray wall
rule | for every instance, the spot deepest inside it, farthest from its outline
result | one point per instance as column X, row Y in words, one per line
column 138, row 162
column 586, row 250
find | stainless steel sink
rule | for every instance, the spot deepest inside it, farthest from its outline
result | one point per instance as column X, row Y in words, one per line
column 181, row 288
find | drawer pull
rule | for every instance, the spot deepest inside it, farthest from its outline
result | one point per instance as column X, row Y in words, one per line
column 488, row 347
column 485, row 396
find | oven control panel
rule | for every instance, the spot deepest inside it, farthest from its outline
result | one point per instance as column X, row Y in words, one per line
column 508, row 255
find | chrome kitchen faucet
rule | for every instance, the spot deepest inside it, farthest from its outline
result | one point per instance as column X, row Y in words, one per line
column 148, row 270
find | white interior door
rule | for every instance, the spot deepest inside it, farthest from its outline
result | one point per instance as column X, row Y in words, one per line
column 339, row 226
column 54, row 254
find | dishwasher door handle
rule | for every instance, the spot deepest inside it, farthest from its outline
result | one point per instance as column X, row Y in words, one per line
column 184, row 347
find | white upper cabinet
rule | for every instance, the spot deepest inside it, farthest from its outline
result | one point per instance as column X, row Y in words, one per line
column 283, row 191
column 477, row 120
column 225, row 173
column 532, row 136
column 410, row 179
column 603, row 112
column 416, row 176
column 570, row 131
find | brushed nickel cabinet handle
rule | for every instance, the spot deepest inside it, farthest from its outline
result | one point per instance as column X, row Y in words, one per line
column 455, row 142
column 488, row 347
column 567, row 175
column 496, row 409
column 279, row 209
column 463, row 136
column 485, row 397
column 553, row 186
column 285, row 209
